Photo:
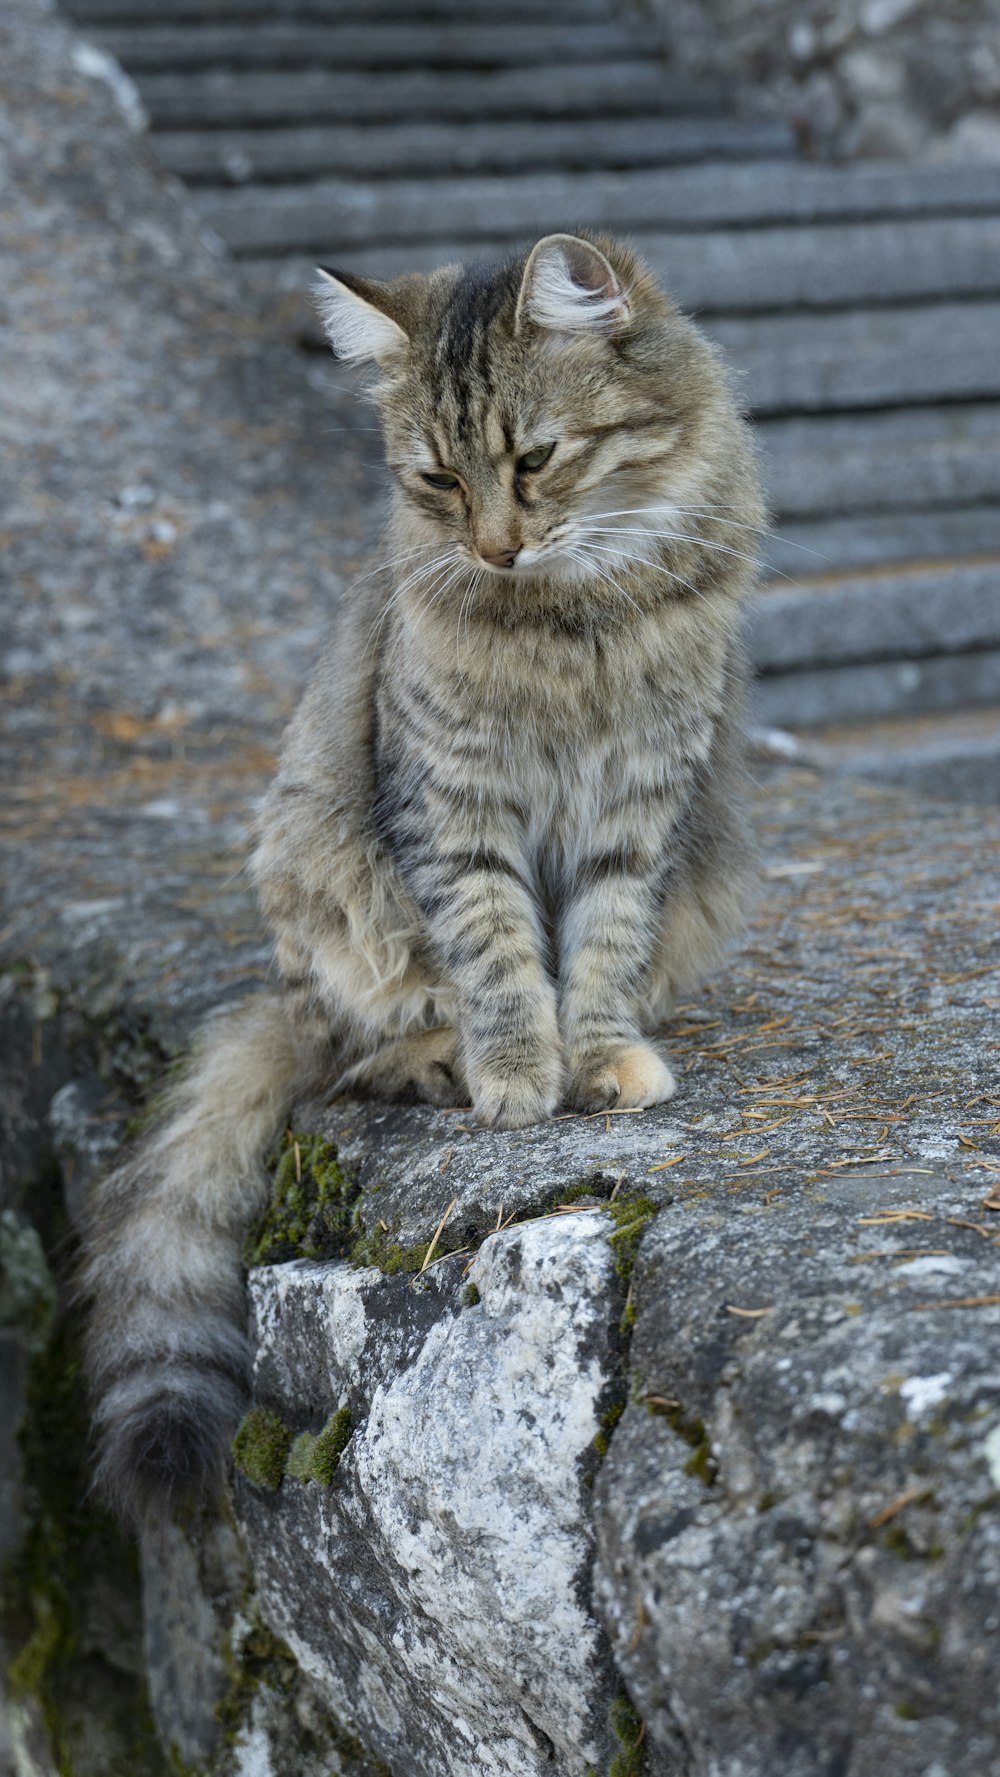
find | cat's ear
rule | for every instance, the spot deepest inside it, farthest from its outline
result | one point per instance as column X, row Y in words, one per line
column 571, row 288
column 357, row 314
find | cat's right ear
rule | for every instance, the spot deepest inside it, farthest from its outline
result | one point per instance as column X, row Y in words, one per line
column 358, row 318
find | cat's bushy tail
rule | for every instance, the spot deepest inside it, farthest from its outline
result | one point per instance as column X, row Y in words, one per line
column 168, row 1355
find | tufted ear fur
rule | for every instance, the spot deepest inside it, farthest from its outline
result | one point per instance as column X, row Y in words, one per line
column 359, row 315
column 570, row 287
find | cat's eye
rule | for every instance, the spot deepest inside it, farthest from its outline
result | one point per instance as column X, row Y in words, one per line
column 445, row 481
column 534, row 459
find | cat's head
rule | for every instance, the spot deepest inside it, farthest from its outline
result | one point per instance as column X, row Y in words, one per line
column 540, row 416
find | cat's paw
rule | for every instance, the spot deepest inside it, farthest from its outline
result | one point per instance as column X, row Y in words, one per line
column 621, row 1079
column 511, row 1097
column 425, row 1066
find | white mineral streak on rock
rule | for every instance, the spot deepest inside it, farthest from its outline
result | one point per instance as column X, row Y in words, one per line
column 451, row 1555
column 922, row 1392
column 485, row 1507
column 991, row 1451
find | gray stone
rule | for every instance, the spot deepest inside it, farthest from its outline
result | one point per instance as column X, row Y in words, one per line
column 909, row 616
column 470, row 147
column 955, row 755
column 437, row 1590
column 799, row 1551
column 376, row 46
column 695, row 199
column 870, row 690
column 220, row 99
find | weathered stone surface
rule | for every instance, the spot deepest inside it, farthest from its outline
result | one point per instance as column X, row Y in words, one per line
column 438, row 1589
column 814, row 1586
column 860, row 77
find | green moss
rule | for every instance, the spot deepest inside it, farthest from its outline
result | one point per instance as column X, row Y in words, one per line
column 311, row 1214
column 470, row 1296
column 387, row 1255
column 895, row 1539
column 631, row 1217
column 627, row 1727
column 330, row 1446
column 602, row 1441
column 908, row 1712
column 768, row 1501
column 313, row 1456
column 701, row 1463
column 261, row 1448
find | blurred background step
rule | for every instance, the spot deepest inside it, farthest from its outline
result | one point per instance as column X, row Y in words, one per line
column 428, row 44
column 197, row 12
column 698, row 203
column 440, row 151
column 907, row 641
column 956, row 755
column 220, row 99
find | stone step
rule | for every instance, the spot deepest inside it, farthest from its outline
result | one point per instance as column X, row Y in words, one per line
column 408, row 225
column 955, row 755
column 218, row 99
column 869, row 690
column 834, row 464
column 373, row 46
column 862, row 542
column 198, row 12
column 887, row 357
column 725, row 271
column 440, row 151
column 948, row 608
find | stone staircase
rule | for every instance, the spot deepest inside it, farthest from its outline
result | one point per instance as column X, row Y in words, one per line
column 861, row 303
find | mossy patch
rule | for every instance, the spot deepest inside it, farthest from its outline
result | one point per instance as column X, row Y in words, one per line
column 602, row 1442
column 317, row 1458
column 701, row 1463
column 470, row 1296
column 386, row 1255
column 311, row 1214
column 261, row 1448
column 631, row 1216
column 628, row 1729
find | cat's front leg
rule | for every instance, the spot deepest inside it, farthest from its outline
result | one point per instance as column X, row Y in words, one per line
column 607, row 935
column 483, row 920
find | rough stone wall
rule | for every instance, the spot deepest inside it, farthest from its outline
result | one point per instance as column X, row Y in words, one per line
column 858, row 77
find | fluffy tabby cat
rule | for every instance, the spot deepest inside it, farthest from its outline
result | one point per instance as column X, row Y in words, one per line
column 508, row 823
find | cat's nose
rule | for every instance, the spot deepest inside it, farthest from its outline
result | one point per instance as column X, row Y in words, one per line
column 505, row 559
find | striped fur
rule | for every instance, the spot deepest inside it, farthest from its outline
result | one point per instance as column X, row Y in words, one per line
column 508, row 826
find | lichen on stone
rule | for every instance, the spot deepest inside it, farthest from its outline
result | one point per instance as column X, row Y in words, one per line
column 311, row 1214
column 261, row 1448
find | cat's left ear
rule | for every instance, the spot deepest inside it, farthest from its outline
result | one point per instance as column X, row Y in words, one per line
column 360, row 316
column 571, row 288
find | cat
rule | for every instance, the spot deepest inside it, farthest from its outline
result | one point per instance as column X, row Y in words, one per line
column 509, row 823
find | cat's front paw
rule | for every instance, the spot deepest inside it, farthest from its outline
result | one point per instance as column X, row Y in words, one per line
column 622, row 1078
column 511, row 1097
